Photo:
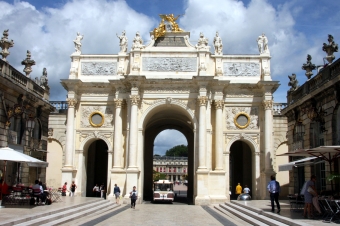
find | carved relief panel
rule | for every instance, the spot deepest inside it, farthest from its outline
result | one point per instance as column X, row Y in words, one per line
column 241, row 69
column 238, row 118
column 99, row 68
column 96, row 116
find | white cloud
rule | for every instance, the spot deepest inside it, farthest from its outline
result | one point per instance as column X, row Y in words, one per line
column 168, row 139
column 48, row 34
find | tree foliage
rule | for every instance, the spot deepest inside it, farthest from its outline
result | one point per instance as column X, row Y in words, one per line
column 178, row 151
column 158, row 176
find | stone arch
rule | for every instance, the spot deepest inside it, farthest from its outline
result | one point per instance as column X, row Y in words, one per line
column 279, row 141
column 168, row 101
column 96, row 136
column 247, row 139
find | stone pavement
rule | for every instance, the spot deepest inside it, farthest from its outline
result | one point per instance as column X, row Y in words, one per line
column 150, row 214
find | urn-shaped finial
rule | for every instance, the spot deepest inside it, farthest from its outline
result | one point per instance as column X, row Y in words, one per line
column 28, row 64
column 308, row 67
column 5, row 44
column 330, row 48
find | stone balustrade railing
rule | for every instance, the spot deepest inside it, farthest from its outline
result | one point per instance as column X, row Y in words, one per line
column 277, row 108
column 17, row 78
column 60, row 106
column 326, row 74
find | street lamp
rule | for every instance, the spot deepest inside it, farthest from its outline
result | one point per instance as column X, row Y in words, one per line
column 30, row 126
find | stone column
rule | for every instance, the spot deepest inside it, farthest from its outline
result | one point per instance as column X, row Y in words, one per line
column 256, row 192
column 268, row 129
column 133, row 131
column 109, row 165
column 218, row 135
column 81, row 188
column 202, row 133
column 70, row 133
column 118, row 135
column 227, row 169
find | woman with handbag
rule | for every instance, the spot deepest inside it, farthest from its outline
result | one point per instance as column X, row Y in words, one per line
column 308, row 195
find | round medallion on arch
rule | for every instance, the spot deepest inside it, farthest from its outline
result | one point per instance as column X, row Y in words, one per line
column 96, row 119
column 242, row 120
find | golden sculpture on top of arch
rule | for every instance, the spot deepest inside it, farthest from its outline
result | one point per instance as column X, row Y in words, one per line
column 161, row 29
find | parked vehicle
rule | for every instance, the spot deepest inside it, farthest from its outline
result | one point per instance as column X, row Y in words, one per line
column 163, row 190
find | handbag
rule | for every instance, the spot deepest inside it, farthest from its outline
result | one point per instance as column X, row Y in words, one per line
column 311, row 191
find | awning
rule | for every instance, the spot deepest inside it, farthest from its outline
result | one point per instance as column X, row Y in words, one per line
column 9, row 154
column 289, row 166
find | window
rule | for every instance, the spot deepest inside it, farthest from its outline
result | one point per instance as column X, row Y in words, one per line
column 298, row 133
column 316, row 134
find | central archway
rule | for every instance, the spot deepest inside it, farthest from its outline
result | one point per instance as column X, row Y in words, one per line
column 158, row 119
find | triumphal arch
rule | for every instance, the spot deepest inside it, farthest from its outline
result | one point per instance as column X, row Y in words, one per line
column 118, row 104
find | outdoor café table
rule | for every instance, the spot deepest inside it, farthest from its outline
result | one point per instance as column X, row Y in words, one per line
column 296, row 202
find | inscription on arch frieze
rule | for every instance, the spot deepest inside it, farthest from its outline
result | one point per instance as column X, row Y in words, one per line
column 241, row 69
column 168, row 64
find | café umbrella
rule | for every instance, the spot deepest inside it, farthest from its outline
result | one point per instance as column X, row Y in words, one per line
column 9, row 154
column 326, row 153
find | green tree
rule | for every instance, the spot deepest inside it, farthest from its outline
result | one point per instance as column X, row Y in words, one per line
column 158, row 176
column 178, row 151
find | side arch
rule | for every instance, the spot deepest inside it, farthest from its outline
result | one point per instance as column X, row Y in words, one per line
column 96, row 136
column 247, row 139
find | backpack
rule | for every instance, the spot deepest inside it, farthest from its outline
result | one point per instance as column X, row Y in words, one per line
column 48, row 202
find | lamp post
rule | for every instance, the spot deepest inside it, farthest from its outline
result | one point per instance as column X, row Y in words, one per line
column 30, row 126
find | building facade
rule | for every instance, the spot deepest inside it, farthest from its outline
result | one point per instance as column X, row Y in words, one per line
column 23, row 100
column 118, row 104
column 314, row 119
column 175, row 168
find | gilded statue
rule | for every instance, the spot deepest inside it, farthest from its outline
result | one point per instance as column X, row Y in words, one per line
column 161, row 29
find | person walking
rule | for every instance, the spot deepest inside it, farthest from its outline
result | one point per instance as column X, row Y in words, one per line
column 116, row 191
column 246, row 189
column 102, row 191
column 274, row 191
column 96, row 191
column 73, row 189
column 133, row 197
column 64, row 189
column 310, row 191
column 238, row 190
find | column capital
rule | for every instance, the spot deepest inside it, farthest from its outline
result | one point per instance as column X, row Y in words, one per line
column 71, row 102
column 119, row 103
column 134, row 99
column 218, row 104
column 267, row 104
column 202, row 100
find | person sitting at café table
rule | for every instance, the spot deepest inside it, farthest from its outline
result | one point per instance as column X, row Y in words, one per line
column 40, row 195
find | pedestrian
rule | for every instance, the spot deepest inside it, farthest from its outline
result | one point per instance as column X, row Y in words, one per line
column 238, row 190
column 116, row 191
column 96, row 191
column 274, row 191
column 102, row 191
column 64, row 189
column 310, row 191
column 246, row 189
column 73, row 188
column 133, row 197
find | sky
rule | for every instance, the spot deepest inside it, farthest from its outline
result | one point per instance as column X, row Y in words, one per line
column 47, row 28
